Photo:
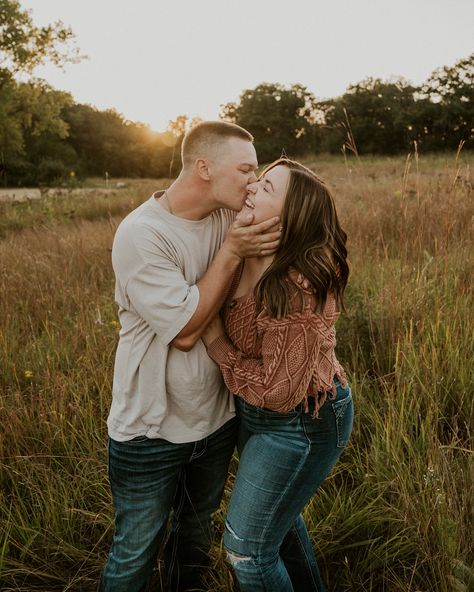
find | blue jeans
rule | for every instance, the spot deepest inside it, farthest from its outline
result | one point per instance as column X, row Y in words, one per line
column 149, row 478
column 284, row 459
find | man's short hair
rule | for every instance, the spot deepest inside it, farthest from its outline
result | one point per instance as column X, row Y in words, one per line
column 205, row 139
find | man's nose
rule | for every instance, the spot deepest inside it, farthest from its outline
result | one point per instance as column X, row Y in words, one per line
column 253, row 178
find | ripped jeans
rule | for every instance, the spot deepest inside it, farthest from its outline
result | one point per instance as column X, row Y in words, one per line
column 285, row 457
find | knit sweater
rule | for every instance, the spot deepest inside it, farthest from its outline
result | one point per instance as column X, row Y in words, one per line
column 278, row 363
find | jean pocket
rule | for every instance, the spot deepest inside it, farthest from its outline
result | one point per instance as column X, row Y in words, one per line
column 343, row 410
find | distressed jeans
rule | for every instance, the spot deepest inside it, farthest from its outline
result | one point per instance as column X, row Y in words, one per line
column 285, row 457
column 149, row 478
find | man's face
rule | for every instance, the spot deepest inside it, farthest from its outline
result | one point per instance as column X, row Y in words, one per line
column 232, row 170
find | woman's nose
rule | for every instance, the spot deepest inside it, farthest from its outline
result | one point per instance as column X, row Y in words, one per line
column 253, row 187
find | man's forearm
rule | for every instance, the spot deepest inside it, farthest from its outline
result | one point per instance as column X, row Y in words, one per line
column 242, row 240
column 213, row 287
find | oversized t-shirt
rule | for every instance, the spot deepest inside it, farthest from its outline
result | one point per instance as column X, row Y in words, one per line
column 158, row 390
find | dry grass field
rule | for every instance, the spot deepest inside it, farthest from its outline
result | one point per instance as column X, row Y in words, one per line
column 397, row 513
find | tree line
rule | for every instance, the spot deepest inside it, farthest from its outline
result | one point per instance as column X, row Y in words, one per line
column 372, row 117
column 46, row 137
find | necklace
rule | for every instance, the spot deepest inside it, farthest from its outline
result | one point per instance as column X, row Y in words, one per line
column 165, row 196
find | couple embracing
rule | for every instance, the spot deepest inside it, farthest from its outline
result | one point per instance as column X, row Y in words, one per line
column 227, row 338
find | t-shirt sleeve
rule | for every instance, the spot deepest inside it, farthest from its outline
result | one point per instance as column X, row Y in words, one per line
column 158, row 290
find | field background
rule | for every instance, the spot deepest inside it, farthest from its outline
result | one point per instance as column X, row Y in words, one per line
column 397, row 512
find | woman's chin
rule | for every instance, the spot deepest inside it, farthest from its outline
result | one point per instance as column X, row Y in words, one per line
column 244, row 212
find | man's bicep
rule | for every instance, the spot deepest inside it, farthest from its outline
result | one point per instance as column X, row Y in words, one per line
column 161, row 295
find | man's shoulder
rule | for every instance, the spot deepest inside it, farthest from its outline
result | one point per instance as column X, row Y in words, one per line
column 140, row 231
column 142, row 220
column 141, row 214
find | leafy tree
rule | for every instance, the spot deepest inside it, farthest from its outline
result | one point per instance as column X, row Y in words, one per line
column 178, row 126
column 370, row 117
column 451, row 89
column 452, row 82
column 23, row 46
column 11, row 136
column 28, row 109
column 106, row 142
column 375, row 116
column 278, row 117
column 99, row 139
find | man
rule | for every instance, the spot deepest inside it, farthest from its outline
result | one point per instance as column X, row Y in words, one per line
column 172, row 427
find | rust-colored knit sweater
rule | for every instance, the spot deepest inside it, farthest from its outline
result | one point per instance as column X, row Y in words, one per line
column 278, row 363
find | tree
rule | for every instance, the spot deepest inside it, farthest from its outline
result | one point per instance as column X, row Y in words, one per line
column 451, row 88
column 452, row 82
column 279, row 118
column 28, row 112
column 28, row 109
column 376, row 116
column 23, row 46
column 105, row 141
column 370, row 117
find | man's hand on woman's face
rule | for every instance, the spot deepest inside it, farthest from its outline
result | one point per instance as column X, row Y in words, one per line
column 245, row 239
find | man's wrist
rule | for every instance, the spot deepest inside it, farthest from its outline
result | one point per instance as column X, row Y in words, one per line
column 231, row 254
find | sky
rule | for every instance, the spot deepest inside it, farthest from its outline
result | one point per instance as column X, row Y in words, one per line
column 153, row 60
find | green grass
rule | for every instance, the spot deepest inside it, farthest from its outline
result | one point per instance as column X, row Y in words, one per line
column 397, row 512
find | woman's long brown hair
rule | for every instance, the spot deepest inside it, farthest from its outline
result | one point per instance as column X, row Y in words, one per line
column 312, row 242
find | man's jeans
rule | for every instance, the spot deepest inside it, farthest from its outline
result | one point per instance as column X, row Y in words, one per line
column 149, row 478
column 285, row 458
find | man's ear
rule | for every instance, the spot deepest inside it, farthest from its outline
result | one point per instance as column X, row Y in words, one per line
column 202, row 169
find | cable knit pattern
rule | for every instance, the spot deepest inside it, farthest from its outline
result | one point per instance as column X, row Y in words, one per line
column 278, row 363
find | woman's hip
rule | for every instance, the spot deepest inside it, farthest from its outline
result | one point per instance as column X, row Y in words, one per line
column 330, row 426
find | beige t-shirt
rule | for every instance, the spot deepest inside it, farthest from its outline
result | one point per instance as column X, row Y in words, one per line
column 158, row 390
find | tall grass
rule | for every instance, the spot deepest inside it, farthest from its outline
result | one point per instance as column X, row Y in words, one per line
column 396, row 514
column 70, row 204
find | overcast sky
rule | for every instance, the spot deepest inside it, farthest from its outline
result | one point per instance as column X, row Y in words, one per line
column 155, row 59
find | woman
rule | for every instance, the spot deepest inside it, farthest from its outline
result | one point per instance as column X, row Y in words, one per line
column 276, row 353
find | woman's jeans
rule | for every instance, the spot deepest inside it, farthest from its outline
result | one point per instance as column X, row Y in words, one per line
column 285, row 457
column 149, row 478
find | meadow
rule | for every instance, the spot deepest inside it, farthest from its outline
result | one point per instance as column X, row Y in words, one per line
column 396, row 515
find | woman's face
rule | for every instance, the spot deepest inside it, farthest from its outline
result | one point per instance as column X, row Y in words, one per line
column 266, row 196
